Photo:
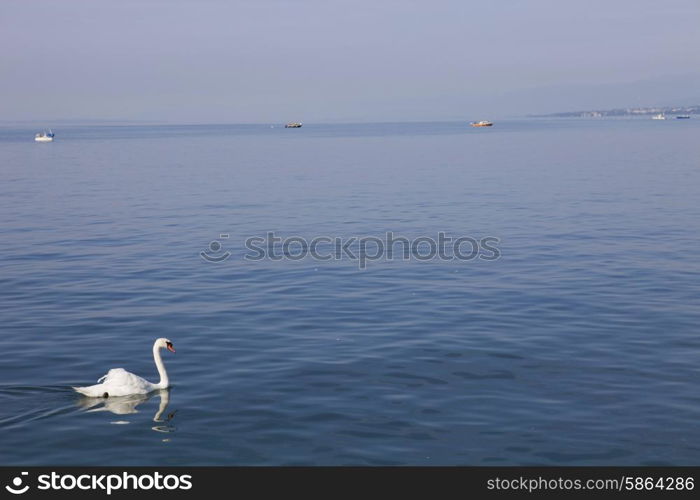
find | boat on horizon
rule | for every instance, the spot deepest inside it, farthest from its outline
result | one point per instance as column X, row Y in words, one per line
column 44, row 136
column 683, row 117
column 293, row 125
column 482, row 123
column 660, row 116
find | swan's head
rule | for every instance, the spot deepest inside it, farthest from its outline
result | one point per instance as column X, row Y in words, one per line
column 163, row 343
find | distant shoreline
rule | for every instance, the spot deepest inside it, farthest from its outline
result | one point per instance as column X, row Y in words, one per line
column 670, row 110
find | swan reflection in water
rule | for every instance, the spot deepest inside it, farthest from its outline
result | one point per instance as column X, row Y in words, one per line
column 126, row 405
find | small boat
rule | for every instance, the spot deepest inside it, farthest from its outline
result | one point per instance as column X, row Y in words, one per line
column 683, row 117
column 44, row 136
column 660, row 116
column 293, row 125
column 482, row 123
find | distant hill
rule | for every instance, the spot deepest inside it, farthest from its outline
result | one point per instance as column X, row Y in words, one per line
column 668, row 110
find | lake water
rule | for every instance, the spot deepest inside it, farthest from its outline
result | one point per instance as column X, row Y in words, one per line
column 579, row 345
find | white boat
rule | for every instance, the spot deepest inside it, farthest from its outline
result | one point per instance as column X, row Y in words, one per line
column 660, row 116
column 44, row 136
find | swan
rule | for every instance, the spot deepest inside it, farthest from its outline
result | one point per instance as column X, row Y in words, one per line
column 119, row 382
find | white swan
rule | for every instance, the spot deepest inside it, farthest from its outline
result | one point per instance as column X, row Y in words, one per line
column 119, row 382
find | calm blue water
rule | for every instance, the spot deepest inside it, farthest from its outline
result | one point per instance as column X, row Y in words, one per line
column 580, row 345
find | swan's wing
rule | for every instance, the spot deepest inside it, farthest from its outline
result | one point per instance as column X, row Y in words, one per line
column 119, row 382
column 115, row 375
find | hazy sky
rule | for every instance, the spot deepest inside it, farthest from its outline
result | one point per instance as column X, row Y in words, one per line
column 335, row 60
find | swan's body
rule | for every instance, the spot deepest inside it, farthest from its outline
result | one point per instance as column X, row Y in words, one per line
column 119, row 382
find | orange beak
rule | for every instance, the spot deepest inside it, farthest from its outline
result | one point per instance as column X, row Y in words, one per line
column 170, row 347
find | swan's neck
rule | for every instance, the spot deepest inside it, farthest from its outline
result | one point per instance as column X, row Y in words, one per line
column 164, row 381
